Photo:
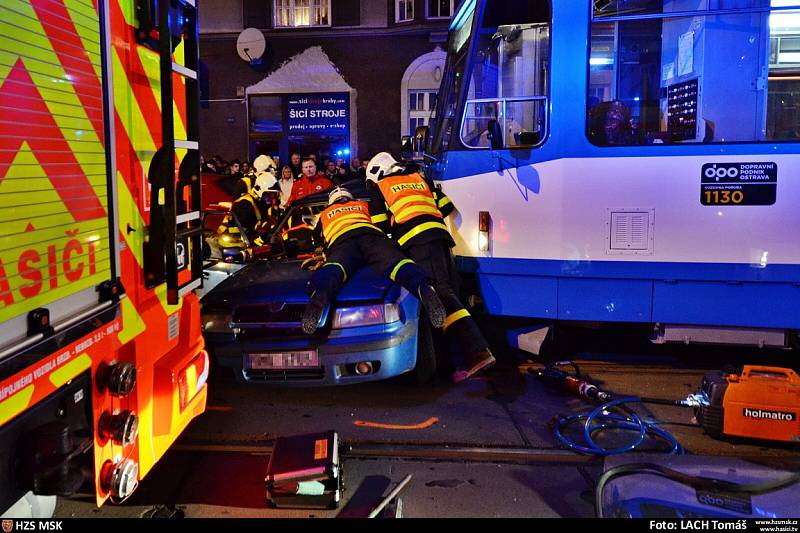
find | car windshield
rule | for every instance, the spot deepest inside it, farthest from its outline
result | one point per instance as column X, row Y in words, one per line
column 293, row 234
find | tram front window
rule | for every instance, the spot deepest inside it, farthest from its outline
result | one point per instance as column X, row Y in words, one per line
column 509, row 78
column 457, row 51
column 674, row 73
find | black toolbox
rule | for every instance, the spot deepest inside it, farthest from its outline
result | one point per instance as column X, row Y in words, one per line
column 304, row 472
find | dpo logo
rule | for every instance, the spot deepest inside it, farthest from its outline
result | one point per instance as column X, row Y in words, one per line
column 721, row 172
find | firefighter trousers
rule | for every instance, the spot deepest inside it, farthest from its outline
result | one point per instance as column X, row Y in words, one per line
column 374, row 250
column 459, row 326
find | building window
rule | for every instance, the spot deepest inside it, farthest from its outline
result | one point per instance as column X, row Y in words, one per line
column 302, row 13
column 440, row 9
column 421, row 106
column 403, row 10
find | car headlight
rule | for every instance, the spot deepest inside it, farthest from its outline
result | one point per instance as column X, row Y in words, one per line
column 365, row 315
column 216, row 321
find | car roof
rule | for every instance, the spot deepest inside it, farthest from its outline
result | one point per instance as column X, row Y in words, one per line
column 357, row 187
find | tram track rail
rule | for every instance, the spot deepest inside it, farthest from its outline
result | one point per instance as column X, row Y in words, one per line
column 446, row 452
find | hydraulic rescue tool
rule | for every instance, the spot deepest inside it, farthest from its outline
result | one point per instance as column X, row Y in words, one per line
column 758, row 402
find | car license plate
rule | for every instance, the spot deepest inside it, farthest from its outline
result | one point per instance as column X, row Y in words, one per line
column 282, row 360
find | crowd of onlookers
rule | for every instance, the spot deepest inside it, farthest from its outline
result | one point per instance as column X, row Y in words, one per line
column 298, row 177
column 262, row 190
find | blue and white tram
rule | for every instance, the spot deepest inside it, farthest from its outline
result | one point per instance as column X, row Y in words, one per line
column 628, row 161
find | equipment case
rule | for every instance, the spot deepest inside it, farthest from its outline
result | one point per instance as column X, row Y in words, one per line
column 304, row 472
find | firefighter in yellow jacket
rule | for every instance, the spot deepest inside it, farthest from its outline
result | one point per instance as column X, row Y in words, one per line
column 256, row 211
column 351, row 241
column 407, row 205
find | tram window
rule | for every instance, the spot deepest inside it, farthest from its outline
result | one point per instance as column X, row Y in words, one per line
column 616, row 8
column 509, row 80
column 717, row 77
column 457, row 50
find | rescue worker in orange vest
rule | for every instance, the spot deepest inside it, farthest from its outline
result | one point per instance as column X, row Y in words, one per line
column 351, row 241
column 412, row 209
column 256, row 211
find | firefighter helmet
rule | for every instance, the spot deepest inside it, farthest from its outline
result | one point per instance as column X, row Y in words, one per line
column 337, row 194
column 264, row 182
column 264, row 163
column 381, row 165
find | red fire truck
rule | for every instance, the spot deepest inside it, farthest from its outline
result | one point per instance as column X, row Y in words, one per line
column 102, row 362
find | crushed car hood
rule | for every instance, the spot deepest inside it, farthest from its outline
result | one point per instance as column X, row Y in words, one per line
column 285, row 281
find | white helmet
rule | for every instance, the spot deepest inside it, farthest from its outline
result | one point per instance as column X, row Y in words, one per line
column 381, row 165
column 264, row 163
column 264, row 182
column 337, row 194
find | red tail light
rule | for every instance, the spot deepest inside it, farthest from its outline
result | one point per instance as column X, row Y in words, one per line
column 484, row 223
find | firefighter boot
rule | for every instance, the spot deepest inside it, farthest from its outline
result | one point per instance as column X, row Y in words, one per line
column 433, row 305
column 313, row 312
column 479, row 361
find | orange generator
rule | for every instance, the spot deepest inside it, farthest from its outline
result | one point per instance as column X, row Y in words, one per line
column 760, row 402
column 102, row 362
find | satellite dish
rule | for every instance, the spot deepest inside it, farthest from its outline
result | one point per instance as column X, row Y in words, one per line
column 251, row 45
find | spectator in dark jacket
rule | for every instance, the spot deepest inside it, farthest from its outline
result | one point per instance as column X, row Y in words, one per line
column 295, row 163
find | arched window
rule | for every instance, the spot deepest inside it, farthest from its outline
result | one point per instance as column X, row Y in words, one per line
column 419, row 89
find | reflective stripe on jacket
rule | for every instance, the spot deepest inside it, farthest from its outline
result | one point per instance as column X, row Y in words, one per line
column 408, row 197
column 338, row 219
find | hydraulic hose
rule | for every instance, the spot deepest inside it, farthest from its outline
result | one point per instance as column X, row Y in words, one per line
column 601, row 419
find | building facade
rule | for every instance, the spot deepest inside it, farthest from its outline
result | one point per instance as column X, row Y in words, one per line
column 347, row 77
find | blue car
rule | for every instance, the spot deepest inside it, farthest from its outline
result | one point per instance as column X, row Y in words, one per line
column 372, row 331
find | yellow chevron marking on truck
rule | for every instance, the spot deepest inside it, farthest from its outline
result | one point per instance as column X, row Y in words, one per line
column 81, row 13
column 132, row 323
column 152, row 68
column 129, row 111
column 128, row 9
column 45, row 255
column 11, row 407
column 43, row 66
column 129, row 216
column 67, row 372
column 161, row 292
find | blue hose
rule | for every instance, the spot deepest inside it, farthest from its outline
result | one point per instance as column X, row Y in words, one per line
column 600, row 419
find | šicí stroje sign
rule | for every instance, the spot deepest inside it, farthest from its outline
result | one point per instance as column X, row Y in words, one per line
column 318, row 113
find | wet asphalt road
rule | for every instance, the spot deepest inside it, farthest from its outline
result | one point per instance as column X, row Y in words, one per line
column 217, row 468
